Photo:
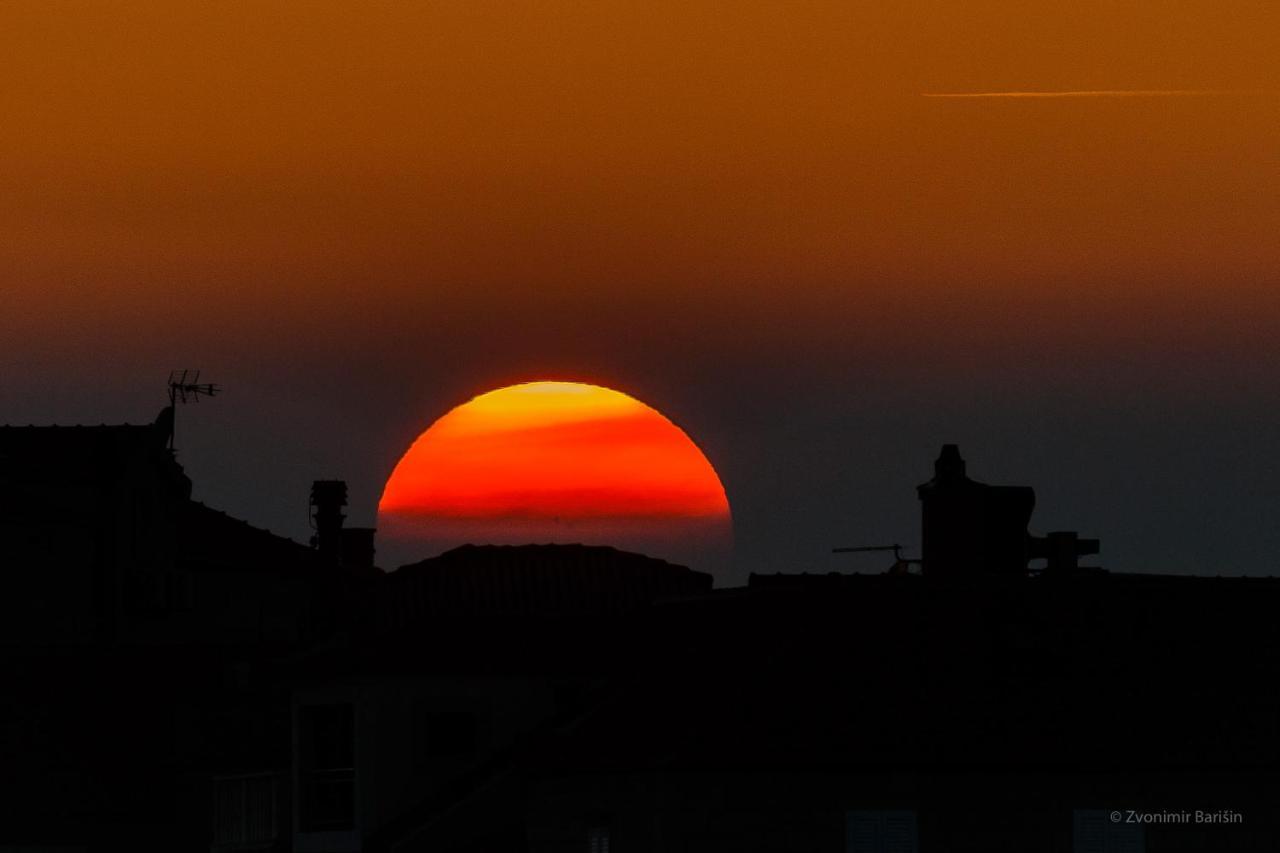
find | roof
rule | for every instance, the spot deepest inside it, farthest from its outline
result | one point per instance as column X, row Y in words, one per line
column 215, row 541
column 79, row 454
column 497, row 579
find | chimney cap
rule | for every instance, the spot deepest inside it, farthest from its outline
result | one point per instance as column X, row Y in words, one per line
column 950, row 464
column 332, row 492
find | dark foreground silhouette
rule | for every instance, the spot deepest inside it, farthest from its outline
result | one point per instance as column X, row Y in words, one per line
column 176, row 679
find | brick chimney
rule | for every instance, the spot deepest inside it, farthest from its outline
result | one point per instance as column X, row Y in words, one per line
column 328, row 497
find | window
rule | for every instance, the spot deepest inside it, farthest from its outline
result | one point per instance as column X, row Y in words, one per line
column 598, row 839
column 1093, row 831
column 244, row 810
column 881, row 832
column 326, row 767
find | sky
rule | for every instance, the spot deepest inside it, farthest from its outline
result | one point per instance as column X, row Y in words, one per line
column 757, row 218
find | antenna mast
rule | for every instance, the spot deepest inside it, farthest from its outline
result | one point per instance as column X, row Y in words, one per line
column 185, row 387
column 900, row 564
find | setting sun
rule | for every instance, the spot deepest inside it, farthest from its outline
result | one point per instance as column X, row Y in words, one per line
column 555, row 461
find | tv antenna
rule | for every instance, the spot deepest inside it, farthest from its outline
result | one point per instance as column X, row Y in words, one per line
column 901, row 565
column 185, row 387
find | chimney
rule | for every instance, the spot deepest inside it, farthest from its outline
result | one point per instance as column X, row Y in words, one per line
column 970, row 528
column 949, row 467
column 357, row 547
column 328, row 497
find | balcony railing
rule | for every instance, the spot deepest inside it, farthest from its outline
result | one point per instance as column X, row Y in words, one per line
column 246, row 811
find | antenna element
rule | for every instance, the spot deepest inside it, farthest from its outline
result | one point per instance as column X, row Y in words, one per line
column 185, row 387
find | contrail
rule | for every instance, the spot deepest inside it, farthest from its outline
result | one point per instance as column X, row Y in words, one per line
column 1095, row 93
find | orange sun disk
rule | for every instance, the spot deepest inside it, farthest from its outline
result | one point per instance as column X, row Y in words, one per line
column 556, row 461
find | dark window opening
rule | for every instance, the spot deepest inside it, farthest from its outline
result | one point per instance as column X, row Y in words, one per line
column 1097, row 831
column 598, row 839
column 326, row 767
column 881, row 832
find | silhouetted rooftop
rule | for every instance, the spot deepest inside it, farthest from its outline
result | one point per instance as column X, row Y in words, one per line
column 61, row 455
column 219, row 542
column 499, row 579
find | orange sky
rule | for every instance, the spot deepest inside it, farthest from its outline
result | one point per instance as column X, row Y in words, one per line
column 268, row 163
column 747, row 213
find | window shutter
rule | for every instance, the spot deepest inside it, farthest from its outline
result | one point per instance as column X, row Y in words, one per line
column 1093, row 831
column 881, row 832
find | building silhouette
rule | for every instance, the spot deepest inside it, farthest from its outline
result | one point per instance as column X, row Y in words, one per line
column 177, row 679
column 972, row 528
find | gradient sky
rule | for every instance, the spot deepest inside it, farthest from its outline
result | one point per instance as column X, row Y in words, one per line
column 748, row 214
